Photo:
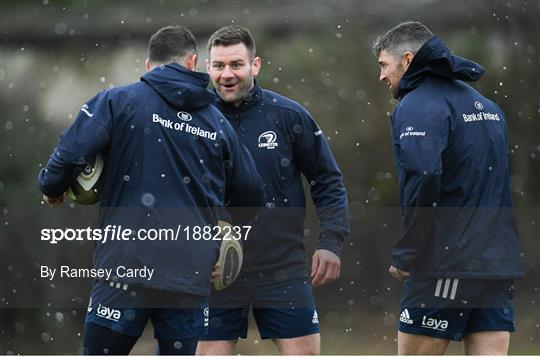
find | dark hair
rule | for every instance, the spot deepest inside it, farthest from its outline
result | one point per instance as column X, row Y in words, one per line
column 232, row 35
column 407, row 36
column 171, row 44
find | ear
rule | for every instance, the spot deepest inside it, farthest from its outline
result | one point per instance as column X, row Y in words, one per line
column 407, row 59
column 207, row 61
column 256, row 66
column 147, row 65
column 191, row 62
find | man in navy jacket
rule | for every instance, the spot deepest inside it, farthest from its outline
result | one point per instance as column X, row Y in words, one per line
column 459, row 253
column 286, row 143
column 172, row 161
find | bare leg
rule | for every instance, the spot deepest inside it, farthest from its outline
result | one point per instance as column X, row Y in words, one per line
column 219, row 348
column 410, row 344
column 486, row 343
column 304, row 345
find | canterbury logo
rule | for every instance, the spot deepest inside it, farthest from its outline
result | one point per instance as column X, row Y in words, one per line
column 89, row 309
column 206, row 313
column 85, row 109
column 450, row 286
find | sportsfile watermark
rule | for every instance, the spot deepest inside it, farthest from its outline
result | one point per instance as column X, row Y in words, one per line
column 120, row 233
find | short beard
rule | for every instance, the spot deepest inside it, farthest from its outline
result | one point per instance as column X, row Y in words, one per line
column 395, row 89
column 243, row 91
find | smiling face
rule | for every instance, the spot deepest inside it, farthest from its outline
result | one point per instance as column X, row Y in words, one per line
column 232, row 71
column 393, row 68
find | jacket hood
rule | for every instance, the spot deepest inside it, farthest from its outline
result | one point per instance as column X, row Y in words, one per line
column 434, row 58
column 180, row 87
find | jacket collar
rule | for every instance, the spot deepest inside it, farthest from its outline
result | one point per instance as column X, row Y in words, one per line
column 250, row 100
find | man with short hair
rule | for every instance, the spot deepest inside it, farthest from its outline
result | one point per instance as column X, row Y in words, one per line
column 172, row 161
column 459, row 254
column 285, row 142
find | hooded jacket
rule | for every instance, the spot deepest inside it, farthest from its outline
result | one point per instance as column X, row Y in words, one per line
column 286, row 143
column 171, row 161
column 451, row 150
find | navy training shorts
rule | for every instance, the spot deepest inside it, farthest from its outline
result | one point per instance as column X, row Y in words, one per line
column 281, row 310
column 126, row 310
column 450, row 308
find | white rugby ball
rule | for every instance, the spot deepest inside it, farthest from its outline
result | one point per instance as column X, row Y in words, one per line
column 87, row 187
column 230, row 258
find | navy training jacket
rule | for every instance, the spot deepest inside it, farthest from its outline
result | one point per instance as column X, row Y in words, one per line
column 171, row 159
column 286, row 142
column 451, row 150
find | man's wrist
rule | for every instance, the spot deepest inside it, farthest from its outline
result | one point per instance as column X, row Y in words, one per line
column 330, row 241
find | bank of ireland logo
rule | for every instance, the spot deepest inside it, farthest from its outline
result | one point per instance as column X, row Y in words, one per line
column 478, row 105
column 409, row 128
column 268, row 140
column 185, row 116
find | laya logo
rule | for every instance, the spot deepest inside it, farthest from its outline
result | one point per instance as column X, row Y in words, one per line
column 108, row 313
column 409, row 131
column 315, row 318
column 206, row 313
column 85, row 109
column 478, row 105
column 268, row 140
column 434, row 324
column 405, row 317
column 185, row 116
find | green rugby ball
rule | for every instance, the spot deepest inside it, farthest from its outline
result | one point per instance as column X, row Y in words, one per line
column 86, row 189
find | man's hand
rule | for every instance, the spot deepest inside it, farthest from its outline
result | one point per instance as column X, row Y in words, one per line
column 399, row 275
column 54, row 201
column 325, row 267
column 216, row 273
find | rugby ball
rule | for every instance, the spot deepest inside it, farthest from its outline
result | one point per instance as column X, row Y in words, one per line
column 230, row 258
column 87, row 187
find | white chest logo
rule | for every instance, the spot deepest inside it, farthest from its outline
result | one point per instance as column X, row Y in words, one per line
column 268, row 140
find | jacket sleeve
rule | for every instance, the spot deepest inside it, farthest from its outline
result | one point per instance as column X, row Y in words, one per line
column 244, row 192
column 88, row 135
column 315, row 160
column 421, row 133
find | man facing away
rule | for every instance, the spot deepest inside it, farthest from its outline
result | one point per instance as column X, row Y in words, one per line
column 171, row 160
column 285, row 143
column 459, row 254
